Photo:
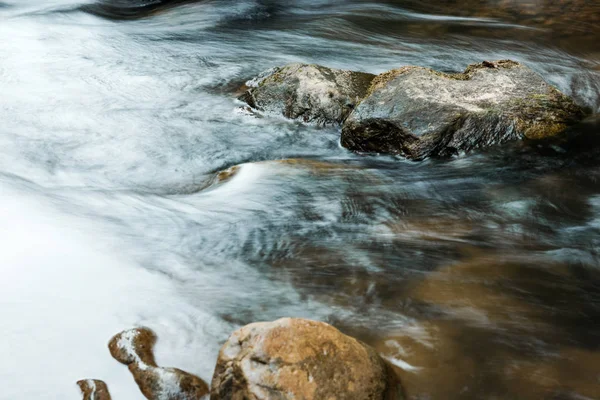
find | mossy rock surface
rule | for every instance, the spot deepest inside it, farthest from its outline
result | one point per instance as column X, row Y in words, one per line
column 418, row 112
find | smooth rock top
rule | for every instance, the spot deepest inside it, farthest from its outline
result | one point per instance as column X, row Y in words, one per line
column 418, row 112
column 301, row 360
column 309, row 93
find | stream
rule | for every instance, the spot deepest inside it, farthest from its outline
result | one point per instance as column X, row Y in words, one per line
column 133, row 192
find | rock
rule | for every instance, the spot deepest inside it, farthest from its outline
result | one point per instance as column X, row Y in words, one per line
column 93, row 389
column 134, row 349
column 227, row 174
column 134, row 346
column 309, row 93
column 418, row 112
column 300, row 359
column 129, row 9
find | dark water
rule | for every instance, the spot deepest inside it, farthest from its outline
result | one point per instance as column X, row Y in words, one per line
column 477, row 276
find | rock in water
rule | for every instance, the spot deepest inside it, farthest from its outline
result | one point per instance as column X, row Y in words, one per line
column 302, row 360
column 418, row 112
column 134, row 349
column 309, row 93
column 129, row 9
column 93, row 389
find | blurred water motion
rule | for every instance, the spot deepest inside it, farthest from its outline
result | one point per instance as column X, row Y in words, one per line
column 134, row 193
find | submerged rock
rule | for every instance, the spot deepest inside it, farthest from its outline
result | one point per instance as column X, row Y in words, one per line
column 300, row 359
column 93, row 389
column 418, row 112
column 130, row 9
column 309, row 93
column 134, row 348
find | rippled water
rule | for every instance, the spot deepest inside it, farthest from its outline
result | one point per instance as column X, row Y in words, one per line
column 477, row 276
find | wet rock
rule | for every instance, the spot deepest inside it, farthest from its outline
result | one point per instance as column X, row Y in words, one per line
column 418, row 112
column 134, row 349
column 227, row 174
column 130, row 9
column 93, row 389
column 300, row 359
column 309, row 93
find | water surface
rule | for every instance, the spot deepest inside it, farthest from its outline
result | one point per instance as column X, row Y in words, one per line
column 477, row 276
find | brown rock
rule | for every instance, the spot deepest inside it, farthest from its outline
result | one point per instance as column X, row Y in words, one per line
column 133, row 346
column 93, row 389
column 300, row 359
column 134, row 349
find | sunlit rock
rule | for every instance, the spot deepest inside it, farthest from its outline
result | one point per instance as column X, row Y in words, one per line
column 134, row 349
column 418, row 112
column 300, row 359
column 309, row 93
column 93, row 389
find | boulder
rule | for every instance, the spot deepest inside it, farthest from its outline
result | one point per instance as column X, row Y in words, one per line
column 302, row 360
column 93, row 389
column 308, row 93
column 418, row 112
column 134, row 348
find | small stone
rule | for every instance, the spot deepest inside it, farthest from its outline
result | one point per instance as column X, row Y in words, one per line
column 134, row 348
column 308, row 93
column 93, row 389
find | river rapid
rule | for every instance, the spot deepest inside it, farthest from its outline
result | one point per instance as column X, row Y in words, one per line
column 477, row 277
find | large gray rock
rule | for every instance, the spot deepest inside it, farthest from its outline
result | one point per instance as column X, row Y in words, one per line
column 300, row 359
column 418, row 112
column 309, row 93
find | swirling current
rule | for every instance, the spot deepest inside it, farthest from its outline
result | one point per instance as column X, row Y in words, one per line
column 133, row 192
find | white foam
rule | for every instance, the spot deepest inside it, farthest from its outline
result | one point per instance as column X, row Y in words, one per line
column 169, row 383
column 61, row 299
column 92, row 384
column 402, row 364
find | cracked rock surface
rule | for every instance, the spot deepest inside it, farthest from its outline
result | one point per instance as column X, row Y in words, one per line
column 302, row 360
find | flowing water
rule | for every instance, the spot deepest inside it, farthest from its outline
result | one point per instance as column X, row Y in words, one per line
column 133, row 192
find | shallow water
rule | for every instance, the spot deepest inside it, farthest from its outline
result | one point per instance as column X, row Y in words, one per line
column 478, row 276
